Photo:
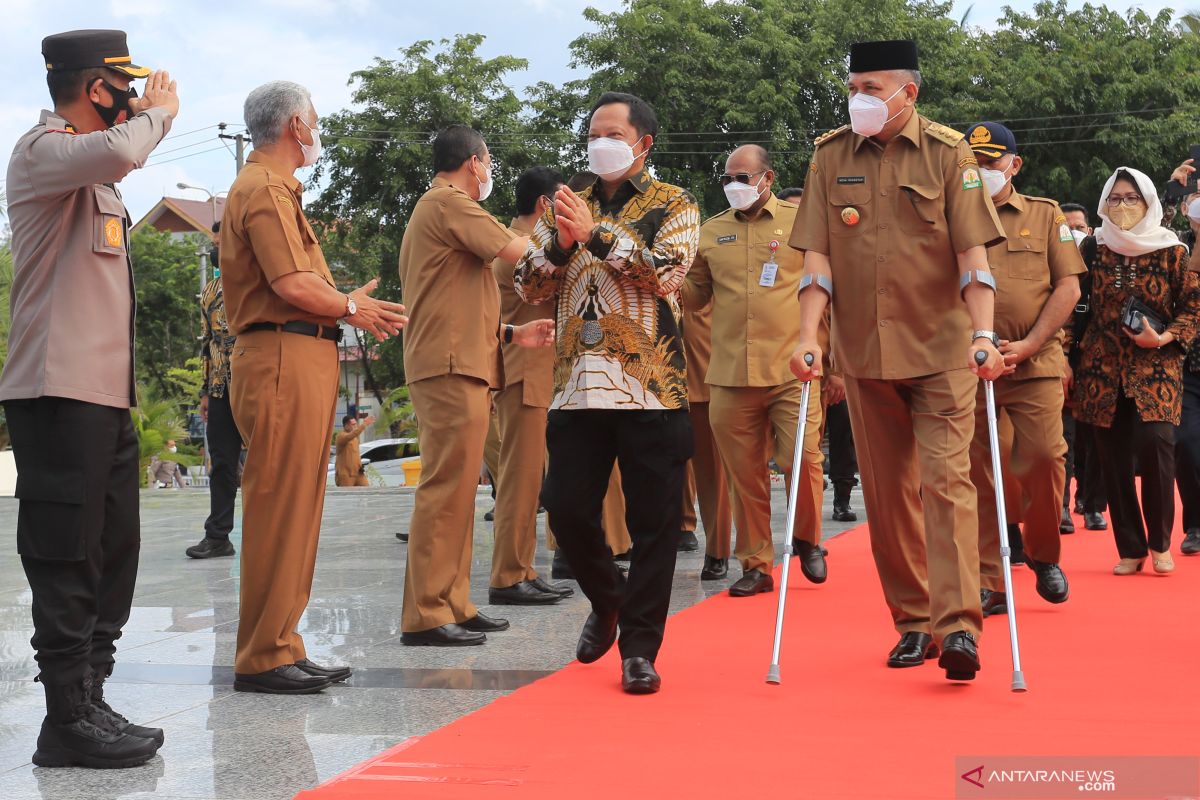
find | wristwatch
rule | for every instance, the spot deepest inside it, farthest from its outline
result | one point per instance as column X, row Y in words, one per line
column 989, row 335
column 351, row 306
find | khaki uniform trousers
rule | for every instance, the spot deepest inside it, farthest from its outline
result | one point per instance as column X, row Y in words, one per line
column 913, row 439
column 453, row 417
column 706, row 484
column 351, row 479
column 1036, row 462
column 491, row 447
column 740, row 415
column 616, row 530
column 283, row 394
column 521, row 468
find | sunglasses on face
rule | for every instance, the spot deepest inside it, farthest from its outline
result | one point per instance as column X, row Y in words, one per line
column 741, row 177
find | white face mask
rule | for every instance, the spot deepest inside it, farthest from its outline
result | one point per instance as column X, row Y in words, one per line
column 609, row 158
column 741, row 195
column 173, row 449
column 868, row 114
column 312, row 151
column 993, row 180
column 485, row 187
column 1193, row 210
column 1079, row 236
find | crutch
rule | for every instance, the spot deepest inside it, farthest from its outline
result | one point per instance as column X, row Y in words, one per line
column 1018, row 677
column 793, row 497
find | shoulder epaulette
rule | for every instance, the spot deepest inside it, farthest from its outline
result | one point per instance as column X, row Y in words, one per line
column 825, row 137
column 943, row 134
column 718, row 215
column 1037, row 199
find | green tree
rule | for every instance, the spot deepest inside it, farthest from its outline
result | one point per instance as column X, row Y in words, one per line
column 155, row 420
column 183, row 383
column 168, row 316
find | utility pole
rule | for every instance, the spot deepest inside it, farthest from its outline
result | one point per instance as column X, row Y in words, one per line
column 240, row 140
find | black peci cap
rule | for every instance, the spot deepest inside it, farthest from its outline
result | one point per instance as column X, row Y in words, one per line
column 88, row 49
column 991, row 139
column 880, row 56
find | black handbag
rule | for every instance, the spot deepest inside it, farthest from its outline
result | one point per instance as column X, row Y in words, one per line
column 1136, row 314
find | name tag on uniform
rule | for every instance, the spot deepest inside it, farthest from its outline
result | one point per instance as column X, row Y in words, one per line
column 767, row 278
column 852, row 179
column 727, row 239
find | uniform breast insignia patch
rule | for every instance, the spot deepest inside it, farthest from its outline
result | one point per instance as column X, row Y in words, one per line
column 850, row 216
column 1064, row 233
column 727, row 239
column 1024, row 231
column 971, row 179
column 114, row 234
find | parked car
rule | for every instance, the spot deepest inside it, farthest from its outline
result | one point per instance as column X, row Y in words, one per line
column 382, row 457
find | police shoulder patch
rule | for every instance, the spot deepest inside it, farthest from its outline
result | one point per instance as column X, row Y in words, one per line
column 943, row 134
column 825, row 137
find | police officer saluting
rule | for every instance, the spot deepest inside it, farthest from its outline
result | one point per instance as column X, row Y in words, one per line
column 894, row 223
column 68, row 384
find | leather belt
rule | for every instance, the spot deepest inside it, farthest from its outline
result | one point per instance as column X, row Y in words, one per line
column 298, row 326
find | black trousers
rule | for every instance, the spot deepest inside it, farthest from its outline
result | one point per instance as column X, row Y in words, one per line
column 1187, row 452
column 78, row 529
column 1083, row 464
column 652, row 449
column 1152, row 446
column 224, row 449
column 842, row 461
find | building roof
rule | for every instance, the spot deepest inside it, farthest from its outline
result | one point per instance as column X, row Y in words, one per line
column 180, row 215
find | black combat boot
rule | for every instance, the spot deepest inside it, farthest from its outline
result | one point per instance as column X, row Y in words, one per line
column 118, row 721
column 75, row 734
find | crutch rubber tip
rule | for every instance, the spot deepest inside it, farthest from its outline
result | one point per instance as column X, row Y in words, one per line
column 773, row 675
column 1018, row 683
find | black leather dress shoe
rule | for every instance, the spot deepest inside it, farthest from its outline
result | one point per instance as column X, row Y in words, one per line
column 1191, row 542
column 402, row 536
column 560, row 570
column 522, row 594
column 688, row 543
column 482, row 623
column 1095, row 521
column 752, row 582
column 334, row 674
column 449, row 635
column 959, row 658
column 796, row 547
column 912, row 650
column 638, row 676
column 597, row 637
column 842, row 511
column 288, row 679
column 1078, row 507
column 812, row 561
column 993, row 602
column 1051, row 581
column 1066, row 524
column 560, row 589
column 210, row 548
column 714, row 568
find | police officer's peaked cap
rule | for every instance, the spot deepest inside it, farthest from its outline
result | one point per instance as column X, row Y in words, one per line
column 879, row 56
column 991, row 139
column 88, row 49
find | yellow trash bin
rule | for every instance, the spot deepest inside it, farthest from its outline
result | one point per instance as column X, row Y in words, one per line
column 412, row 472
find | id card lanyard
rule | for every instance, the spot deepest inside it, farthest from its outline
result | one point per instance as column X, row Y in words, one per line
column 770, row 268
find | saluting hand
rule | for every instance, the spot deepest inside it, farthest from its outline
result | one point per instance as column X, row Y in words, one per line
column 539, row 333
column 798, row 365
column 380, row 318
column 159, row 93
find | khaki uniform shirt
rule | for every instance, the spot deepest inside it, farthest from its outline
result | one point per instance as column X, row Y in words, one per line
column 1038, row 252
column 449, row 289
column 348, row 462
column 532, row 367
column 264, row 236
column 754, row 327
column 697, row 348
column 72, row 296
column 892, row 218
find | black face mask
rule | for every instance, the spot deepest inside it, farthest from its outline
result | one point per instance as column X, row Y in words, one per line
column 120, row 103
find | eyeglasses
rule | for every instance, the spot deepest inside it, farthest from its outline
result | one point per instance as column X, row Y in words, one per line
column 741, row 177
column 1130, row 200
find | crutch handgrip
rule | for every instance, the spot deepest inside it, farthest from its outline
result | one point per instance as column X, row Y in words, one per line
column 980, row 357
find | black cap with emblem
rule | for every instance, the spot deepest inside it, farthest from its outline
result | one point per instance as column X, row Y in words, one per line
column 90, row 48
column 880, row 56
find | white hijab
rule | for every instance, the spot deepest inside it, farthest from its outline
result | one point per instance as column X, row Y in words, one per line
column 1145, row 237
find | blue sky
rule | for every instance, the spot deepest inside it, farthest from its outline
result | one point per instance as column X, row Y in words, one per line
column 219, row 51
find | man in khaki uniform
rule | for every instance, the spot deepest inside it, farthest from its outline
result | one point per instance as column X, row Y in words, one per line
column 521, row 408
column 752, row 282
column 68, row 383
column 347, row 467
column 452, row 361
column 895, row 223
column 1037, row 286
column 283, row 306
column 706, row 478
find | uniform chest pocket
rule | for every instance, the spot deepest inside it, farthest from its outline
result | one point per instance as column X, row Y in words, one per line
column 1027, row 258
column 850, row 209
column 789, row 263
column 919, row 208
column 108, row 225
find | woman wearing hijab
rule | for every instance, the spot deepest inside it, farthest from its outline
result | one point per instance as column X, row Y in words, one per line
column 1129, row 384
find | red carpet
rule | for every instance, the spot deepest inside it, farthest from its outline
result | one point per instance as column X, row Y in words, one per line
column 1112, row 672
